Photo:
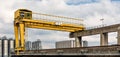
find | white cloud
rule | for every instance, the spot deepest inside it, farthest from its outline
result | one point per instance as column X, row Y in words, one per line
column 112, row 38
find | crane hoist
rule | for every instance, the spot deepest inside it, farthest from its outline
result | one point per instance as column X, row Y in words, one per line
column 23, row 18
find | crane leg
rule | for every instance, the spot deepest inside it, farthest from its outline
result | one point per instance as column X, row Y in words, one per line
column 22, row 33
column 16, row 38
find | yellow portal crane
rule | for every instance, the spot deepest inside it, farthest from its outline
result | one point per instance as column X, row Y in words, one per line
column 27, row 19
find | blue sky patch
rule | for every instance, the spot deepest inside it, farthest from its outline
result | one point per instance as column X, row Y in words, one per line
column 115, row 0
column 78, row 2
column 34, row 0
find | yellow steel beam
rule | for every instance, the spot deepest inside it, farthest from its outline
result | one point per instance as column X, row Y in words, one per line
column 49, row 25
column 52, row 27
column 37, row 21
column 50, row 22
column 16, row 37
column 22, row 34
column 72, row 25
column 39, row 27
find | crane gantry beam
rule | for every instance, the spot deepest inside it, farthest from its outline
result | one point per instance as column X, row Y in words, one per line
column 24, row 19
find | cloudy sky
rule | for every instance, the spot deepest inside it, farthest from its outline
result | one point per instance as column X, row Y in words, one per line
column 91, row 11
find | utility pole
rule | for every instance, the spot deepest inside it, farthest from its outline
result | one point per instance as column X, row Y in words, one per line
column 102, row 22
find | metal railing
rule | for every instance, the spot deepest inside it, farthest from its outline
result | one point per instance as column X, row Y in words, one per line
column 58, row 19
column 94, row 27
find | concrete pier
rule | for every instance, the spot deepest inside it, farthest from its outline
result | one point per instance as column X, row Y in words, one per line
column 118, row 36
column 78, row 41
column 103, row 39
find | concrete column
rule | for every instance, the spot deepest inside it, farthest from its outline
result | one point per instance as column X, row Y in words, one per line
column 103, row 39
column 78, row 41
column 118, row 37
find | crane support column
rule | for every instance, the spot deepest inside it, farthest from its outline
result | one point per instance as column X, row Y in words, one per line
column 16, row 38
column 22, row 33
column 78, row 42
column 103, row 39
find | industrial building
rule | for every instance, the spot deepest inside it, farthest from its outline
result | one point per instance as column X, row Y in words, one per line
column 69, row 44
column 6, row 46
column 85, row 43
column 65, row 44
column 28, row 45
column 36, row 45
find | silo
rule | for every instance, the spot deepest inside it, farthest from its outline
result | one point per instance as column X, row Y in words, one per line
column 33, row 46
column 38, row 44
column 0, row 48
column 11, row 46
column 4, row 48
column 28, row 45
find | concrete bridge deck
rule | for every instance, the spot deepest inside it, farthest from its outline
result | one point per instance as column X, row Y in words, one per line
column 103, row 31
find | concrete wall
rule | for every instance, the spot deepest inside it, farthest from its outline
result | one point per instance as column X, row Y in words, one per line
column 100, row 50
